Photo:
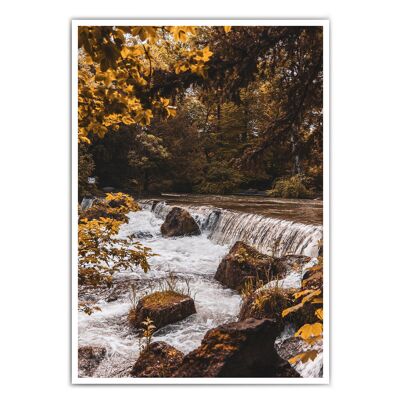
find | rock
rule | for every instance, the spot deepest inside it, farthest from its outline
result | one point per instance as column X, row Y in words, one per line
column 162, row 308
column 290, row 347
column 159, row 360
column 179, row 223
column 239, row 349
column 141, row 235
column 244, row 263
column 266, row 303
column 89, row 358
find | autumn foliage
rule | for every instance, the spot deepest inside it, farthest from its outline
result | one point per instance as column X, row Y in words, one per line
column 101, row 252
column 311, row 297
column 115, row 73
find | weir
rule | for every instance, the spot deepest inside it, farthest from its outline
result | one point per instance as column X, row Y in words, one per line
column 268, row 235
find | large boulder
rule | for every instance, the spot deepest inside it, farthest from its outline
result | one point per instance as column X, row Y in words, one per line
column 89, row 358
column 159, row 360
column 239, row 349
column 162, row 308
column 179, row 223
column 244, row 263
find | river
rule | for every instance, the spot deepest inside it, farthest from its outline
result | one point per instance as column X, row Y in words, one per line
column 272, row 226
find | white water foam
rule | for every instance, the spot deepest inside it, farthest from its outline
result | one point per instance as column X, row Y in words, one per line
column 196, row 257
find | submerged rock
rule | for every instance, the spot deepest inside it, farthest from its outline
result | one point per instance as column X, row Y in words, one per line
column 244, row 263
column 159, row 360
column 89, row 358
column 162, row 308
column 238, row 349
column 179, row 223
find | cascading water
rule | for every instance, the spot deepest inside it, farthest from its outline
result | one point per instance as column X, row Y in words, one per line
column 196, row 258
column 268, row 235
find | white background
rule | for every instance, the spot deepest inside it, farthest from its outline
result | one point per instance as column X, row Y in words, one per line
column 34, row 219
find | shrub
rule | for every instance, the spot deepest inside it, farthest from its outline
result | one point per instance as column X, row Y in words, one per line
column 292, row 187
column 114, row 206
column 101, row 253
column 221, row 178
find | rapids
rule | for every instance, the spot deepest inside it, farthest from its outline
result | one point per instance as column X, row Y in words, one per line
column 195, row 258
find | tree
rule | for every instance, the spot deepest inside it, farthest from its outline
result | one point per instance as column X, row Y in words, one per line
column 246, row 100
column 115, row 74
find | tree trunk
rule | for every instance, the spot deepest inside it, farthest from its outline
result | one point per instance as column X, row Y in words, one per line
column 296, row 169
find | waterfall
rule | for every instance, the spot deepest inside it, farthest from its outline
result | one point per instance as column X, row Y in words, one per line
column 267, row 235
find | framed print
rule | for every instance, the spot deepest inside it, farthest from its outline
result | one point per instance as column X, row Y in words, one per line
column 200, row 198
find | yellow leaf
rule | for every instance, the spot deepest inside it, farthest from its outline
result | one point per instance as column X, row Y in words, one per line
column 319, row 313
column 180, row 32
column 204, row 55
column 127, row 120
column 83, row 139
column 304, row 357
column 164, row 101
column 227, row 29
column 291, row 309
column 318, row 300
column 125, row 52
column 302, row 293
column 171, row 112
column 181, row 68
column 311, row 295
column 309, row 330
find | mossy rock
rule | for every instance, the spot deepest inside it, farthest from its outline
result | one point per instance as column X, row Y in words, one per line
column 244, row 263
column 163, row 308
column 159, row 360
column 238, row 349
column 179, row 223
column 267, row 303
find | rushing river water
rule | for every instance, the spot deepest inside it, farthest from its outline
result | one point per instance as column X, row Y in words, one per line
column 195, row 258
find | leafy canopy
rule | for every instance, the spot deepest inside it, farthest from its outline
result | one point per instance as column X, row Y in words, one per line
column 115, row 72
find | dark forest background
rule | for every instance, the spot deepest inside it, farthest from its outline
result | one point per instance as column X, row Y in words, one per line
column 252, row 123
